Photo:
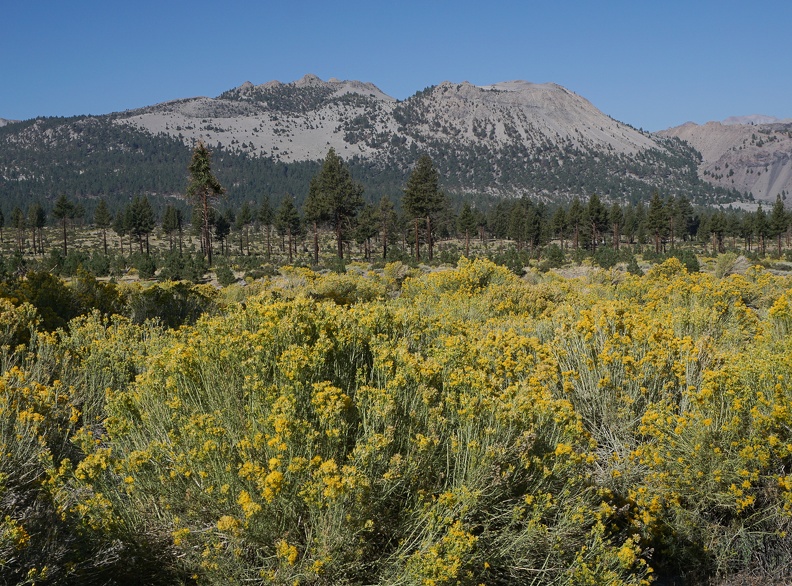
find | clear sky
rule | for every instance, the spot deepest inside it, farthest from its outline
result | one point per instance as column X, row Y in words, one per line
column 652, row 64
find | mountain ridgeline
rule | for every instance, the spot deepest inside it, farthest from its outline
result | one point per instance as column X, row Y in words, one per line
column 506, row 140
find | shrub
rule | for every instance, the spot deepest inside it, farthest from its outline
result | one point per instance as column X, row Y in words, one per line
column 606, row 257
column 225, row 276
column 171, row 304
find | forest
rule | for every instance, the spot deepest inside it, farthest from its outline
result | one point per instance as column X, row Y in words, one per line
column 350, row 393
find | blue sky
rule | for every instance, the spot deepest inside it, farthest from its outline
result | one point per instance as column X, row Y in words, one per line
column 650, row 64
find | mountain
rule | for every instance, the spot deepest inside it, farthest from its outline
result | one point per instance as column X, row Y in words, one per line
column 753, row 119
column 504, row 140
column 4, row 122
column 751, row 156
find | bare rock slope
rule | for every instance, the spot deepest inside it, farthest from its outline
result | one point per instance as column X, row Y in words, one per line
column 751, row 157
column 301, row 120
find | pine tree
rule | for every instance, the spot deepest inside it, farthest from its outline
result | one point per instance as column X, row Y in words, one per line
column 169, row 224
column 596, row 219
column 202, row 187
column 657, row 220
column 37, row 219
column 778, row 222
column 265, row 216
column 334, row 197
column 64, row 210
column 517, row 222
column 19, row 223
column 141, row 221
column 389, row 222
column 287, row 221
column 467, row 223
column 559, row 225
column 243, row 221
column 315, row 212
column 103, row 220
column 222, row 228
column 575, row 221
column 120, row 228
column 423, row 198
column 717, row 228
column 617, row 223
column 366, row 228
column 761, row 228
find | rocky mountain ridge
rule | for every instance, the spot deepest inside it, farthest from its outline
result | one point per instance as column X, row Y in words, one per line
column 750, row 156
column 508, row 139
column 300, row 120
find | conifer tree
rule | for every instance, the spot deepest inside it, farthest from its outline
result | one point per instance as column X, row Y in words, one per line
column 141, row 221
column 617, row 223
column 243, row 221
column 287, row 221
column 169, row 224
column 265, row 216
column 64, row 210
column 559, row 224
column 103, row 220
column 467, row 223
column 388, row 223
column 657, row 220
column 202, row 187
column 596, row 219
column 19, row 223
column 761, row 228
column 423, row 198
column 778, row 222
column 335, row 197
column 120, row 228
column 575, row 221
column 37, row 219
column 366, row 228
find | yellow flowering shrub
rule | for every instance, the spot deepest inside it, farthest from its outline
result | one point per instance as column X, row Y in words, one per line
column 464, row 426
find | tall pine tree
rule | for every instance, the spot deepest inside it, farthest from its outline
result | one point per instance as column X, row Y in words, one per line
column 423, row 199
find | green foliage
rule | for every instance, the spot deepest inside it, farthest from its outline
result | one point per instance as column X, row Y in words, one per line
column 177, row 267
column 553, row 258
column 606, row 257
column 688, row 258
column 633, row 267
column 225, row 276
column 334, row 197
column 514, row 260
column 55, row 303
column 145, row 265
column 171, row 304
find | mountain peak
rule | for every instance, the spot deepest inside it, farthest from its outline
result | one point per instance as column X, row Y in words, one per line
column 308, row 80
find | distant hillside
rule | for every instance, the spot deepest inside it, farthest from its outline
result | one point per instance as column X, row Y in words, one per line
column 749, row 156
column 508, row 139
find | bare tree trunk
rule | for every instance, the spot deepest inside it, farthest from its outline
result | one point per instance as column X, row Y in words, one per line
column 417, row 242
column 429, row 236
column 316, row 243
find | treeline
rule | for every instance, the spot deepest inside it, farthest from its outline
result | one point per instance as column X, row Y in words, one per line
column 382, row 229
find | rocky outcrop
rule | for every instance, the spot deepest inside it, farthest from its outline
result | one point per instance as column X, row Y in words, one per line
column 751, row 157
